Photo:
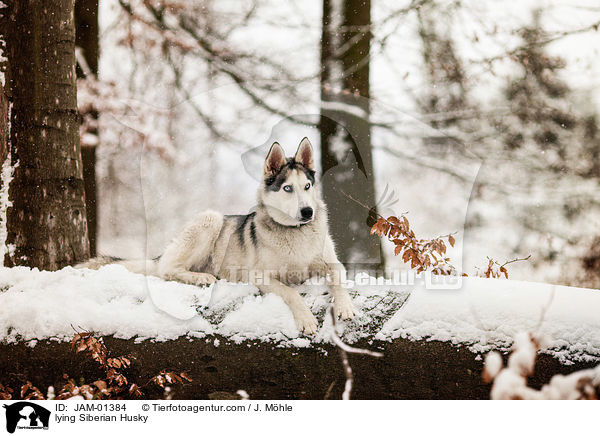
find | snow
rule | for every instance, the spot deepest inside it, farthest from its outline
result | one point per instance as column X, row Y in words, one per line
column 6, row 176
column 510, row 382
column 485, row 314
column 40, row 304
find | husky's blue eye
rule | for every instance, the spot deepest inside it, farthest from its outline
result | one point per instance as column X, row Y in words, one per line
column 287, row 188
column 307, row 187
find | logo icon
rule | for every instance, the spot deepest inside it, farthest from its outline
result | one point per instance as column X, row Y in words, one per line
column 26, row 415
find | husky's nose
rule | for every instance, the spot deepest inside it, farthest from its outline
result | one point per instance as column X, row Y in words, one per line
column 306, row 213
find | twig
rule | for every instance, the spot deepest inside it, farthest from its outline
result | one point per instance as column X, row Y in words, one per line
column 541, row 43
column 515, row 260
column 344, row 350
column 367, row 207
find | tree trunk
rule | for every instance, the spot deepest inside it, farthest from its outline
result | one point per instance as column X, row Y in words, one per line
column 412, row 370
column 4, row 114
column 346, row 154
column 47, row 221
column 86, row 38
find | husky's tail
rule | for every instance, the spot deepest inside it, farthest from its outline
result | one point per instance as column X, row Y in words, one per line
column 146, row 267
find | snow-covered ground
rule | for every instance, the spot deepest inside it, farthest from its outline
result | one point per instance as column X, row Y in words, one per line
column 483, row 314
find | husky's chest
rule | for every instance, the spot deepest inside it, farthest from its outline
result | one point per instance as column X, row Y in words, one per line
column 293, row 249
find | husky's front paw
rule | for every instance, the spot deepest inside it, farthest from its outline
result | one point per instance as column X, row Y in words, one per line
column 343, row 306
column 306, row 322
column 190, row 277
column 202, row 279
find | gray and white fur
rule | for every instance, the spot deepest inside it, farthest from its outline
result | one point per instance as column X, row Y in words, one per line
column 284, row 241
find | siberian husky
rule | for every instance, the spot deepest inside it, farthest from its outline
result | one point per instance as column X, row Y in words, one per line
column 284, row 241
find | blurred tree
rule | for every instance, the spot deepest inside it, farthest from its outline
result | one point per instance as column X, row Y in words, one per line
column 46, row 223
column 446, row 95
column 193, row 34
column 540, row 110
column 445, row 103
column 544, row 116
column 86, row 40
column 551, row 135
column 346, row 152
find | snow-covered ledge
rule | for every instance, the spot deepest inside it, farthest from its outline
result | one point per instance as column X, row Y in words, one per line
column 483, row 314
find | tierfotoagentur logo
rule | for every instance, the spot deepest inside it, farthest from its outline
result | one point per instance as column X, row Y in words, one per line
column 26, row 415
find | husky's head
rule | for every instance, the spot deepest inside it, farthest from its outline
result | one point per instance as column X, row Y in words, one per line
column 288, row 190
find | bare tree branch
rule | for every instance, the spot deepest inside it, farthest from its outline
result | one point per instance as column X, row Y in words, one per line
column 344, row 350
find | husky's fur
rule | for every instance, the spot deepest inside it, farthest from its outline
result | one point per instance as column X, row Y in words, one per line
column 279, row 244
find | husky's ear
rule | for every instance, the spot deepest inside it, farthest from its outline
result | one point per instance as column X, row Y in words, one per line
column 304, row 155
column 275, row 160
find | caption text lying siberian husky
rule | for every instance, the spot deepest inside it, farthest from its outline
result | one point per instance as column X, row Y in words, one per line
column 285, row 241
